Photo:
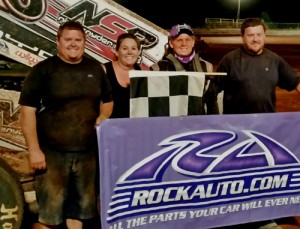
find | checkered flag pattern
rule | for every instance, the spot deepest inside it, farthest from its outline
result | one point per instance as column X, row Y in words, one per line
column 165, row 93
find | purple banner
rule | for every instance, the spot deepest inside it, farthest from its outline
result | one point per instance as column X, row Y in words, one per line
column 198, row 171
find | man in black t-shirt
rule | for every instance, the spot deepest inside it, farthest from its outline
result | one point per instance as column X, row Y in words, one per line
column 62, row 99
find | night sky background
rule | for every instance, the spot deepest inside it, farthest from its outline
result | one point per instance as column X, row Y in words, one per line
column 166, row 13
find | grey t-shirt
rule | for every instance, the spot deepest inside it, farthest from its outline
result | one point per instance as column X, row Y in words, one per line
column 251, row 81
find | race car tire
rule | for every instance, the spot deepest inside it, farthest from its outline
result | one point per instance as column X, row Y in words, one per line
column 11, row 198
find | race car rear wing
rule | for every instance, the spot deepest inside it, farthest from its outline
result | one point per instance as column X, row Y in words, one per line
column 28, row 29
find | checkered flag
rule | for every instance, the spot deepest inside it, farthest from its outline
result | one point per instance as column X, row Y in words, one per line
column 165, row 93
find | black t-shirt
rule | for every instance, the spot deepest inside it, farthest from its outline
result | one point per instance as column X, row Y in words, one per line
column 67, row 98
column 121, row 94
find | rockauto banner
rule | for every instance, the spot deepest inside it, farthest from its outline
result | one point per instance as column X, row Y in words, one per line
column 28, row 29
column 198, row 171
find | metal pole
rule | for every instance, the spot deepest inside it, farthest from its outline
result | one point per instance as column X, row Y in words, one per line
column 238, row 11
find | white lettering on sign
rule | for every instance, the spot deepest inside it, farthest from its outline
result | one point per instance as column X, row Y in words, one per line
column 8, row 213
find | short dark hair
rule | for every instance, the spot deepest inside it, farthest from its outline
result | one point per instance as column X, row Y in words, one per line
column 251, row 22
column 123, row 36
column 70, row 25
